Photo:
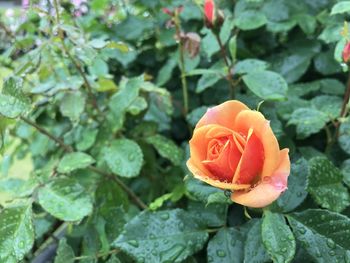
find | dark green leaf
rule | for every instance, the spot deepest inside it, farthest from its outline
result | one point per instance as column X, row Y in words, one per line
column 344, row 135
column 65, row 253
column 250, row 19
column 249, row 66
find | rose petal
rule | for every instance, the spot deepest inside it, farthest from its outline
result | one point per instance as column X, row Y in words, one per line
column 248, row 119
column 252, row 160
column 223, row 114
column 203, row 176
column 268, row 190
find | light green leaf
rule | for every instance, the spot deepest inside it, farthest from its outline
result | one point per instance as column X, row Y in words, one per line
column 65, row 199
column 13, row 102
column 124, row 157
column 232, row 45
column 65, row 253
column 308, row 121
column 277, row 237
column 267, row 85
column 17, row 233
column 249, row 66
column 74, row 161
column 341, row 7
column 226, row 246
column 166, row 236
column 321, row 233
column 250, row 19
column 167, row 148
column 72, row 105
column 344, row 136
column 209, row 44
column 325, row 185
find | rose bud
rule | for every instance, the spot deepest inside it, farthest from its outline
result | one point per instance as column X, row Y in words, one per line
column 209, row 13
column 346, row 53
column 235, row 148
column 167, row 11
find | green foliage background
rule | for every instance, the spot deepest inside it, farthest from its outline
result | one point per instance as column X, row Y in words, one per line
column 94, row 131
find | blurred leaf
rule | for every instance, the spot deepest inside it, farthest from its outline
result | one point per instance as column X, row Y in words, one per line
column 321, row 234
column 72, row 105
column 267, row 85
column 250, row 19
column 166, row 71
column 124, row 157
column 341, row 7
column 209, row 44
column 344, row 136
column 277, row 237
column 17, row 233
column 308, row 121
column 329, row 105
column 74, row 161
column 345, row 169
column 326, row 64
column 105, row 85
column 65, row 199
column 194, row 116
column 13, row 102
column 307, row 23
column 166, row 236
column 249, row 66
column 167, row 148
column 226, row 246
column 232, row 45
column 133, row 28
column 208, row 79
column 218, row 198
column 325, row 185
column 118, row 45
column 65, row 253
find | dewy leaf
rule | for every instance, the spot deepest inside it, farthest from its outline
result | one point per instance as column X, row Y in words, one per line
column 166, row 236
column 124, row 157
column 13, row 101
column 325, row 185
column 341, row 7
column 329, row 105
column 254, row 250
column 296, row 192
column 65, row 253
column 72, row 105
column 250, row 19
column 226, row 246
column 345, row 168
column 74, row 161
column 277, row 237
column 308, row 121
column 323, row 234
column 16, row 232
column 213, row 215
column 250, row 65
column 167, row 148
column 344, row 136
column 65, row 199
column 267, row 85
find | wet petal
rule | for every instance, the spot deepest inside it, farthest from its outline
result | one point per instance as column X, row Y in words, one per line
column 268, row 190
column 248, row 119
column 223, row 114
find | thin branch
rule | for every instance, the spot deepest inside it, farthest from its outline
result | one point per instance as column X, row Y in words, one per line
column 68, row 148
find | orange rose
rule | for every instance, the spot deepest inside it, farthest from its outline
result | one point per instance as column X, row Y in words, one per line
column 234, row 148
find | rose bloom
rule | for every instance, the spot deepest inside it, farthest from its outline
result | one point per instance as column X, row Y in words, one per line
column 234, row 148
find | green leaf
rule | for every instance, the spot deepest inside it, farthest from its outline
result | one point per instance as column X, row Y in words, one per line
column 218, row 198
column 325, row 185
column 329, row 105
column 250, row 19
column 296, row 192
column 332, row 86
column 213, row 215
column 124, row 157
column 341, row 7
column 254, row 250
column 208, row 79
column 326, row 64
column 166, row 236
column 209, row 44
column 232, row 45
column 307, row 23
column 267, row 85
column 13, row 102
column 17, row 233
column 344, row 136
column 105, row 85
column 65, row 253
column 194, row 116
column 277, row 237
column 166, row 71
column 321, row 233
column 308, row 121
column 74, row 161
column 198, row 190
column 72, row 105
column 226, row 246
column 133, row 27
column 250, row 65
column 167, row 148
column 65, row 199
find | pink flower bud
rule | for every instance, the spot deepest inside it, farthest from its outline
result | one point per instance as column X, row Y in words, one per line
column 346, row 53
column 209, row 12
